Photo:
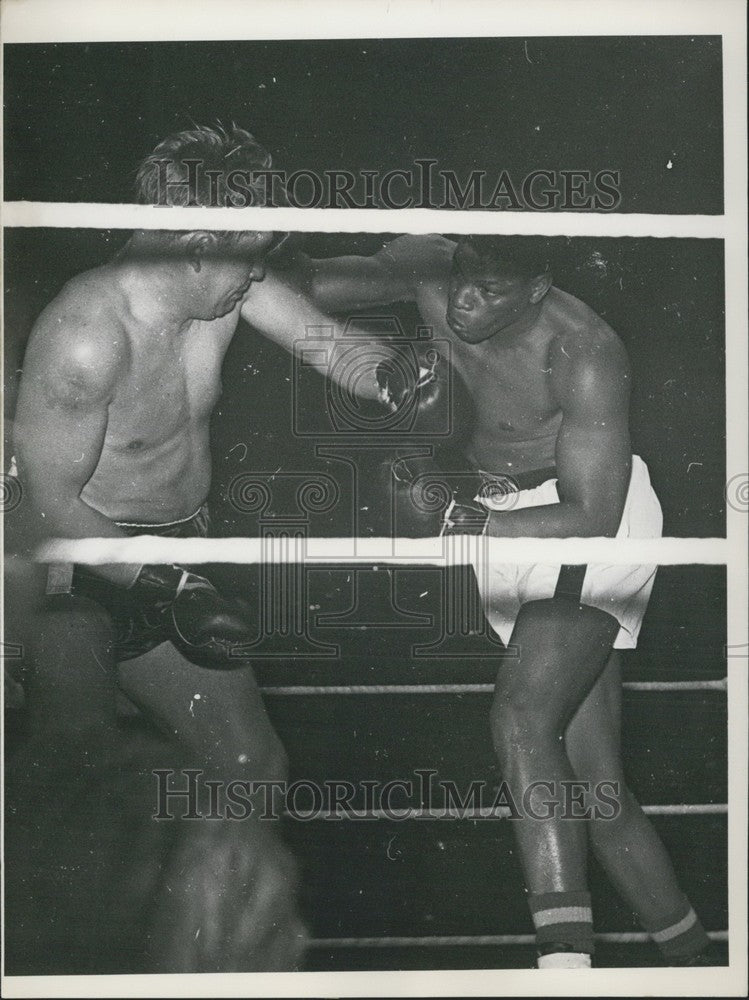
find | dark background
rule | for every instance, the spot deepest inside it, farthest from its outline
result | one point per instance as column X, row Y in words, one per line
column 79, row 117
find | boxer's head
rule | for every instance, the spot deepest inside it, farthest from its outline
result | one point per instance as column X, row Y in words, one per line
column 218, row 268
column 495, row 281
column 214, row 168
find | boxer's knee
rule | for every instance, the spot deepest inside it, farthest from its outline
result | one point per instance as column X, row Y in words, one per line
column 522, row 719
column 260, row 756
column 275, row 762
column 247, row 744
column 247, row 747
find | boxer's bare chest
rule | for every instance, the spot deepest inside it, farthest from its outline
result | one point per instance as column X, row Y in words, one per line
column 171, row 386
column 510, row 385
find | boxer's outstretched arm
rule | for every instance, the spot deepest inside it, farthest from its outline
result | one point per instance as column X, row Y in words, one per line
column 394, row 274
column 593, row 451
column 69, row 378
column 283, row 312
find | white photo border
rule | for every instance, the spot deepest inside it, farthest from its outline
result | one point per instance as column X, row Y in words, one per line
column 191, row 20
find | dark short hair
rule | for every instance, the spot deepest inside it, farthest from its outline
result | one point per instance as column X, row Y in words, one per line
column 522, row 257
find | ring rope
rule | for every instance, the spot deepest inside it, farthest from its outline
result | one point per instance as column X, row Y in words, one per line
column 356, row 689
column 290, row 547
column 447, row 941
column 503, row 812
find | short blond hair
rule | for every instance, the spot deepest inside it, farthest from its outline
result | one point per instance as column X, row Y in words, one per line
column 195, row 166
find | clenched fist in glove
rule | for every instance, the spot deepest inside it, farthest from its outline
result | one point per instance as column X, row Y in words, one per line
column 205, row 626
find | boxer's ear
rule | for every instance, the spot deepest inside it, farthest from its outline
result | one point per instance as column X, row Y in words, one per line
column 540, row 286
column 197, row 245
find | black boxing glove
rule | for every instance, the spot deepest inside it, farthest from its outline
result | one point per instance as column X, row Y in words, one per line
column 465, row 518
column 202, row 624
column 452, row 494
column 417, row 388
column 427, row 393
column 433, row 495
column 399, row 381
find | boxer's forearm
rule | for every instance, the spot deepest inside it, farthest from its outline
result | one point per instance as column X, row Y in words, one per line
column 281, row 311
column 339, row 284
column 558, row 520
column 75, row 519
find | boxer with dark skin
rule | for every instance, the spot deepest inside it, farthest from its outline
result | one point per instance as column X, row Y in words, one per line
column 120, row 377
column 550, row 385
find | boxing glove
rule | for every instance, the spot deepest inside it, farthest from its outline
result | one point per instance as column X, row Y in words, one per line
column 432, row 497
column 418, row 388
column 205, row 626
column 465, row 518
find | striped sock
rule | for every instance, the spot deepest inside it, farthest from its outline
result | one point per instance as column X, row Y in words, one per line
column 680, row 935
column 565, row 960
column 563, row 921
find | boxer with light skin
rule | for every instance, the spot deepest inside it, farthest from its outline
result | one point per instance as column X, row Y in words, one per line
column 120, row 377
column 548, row 435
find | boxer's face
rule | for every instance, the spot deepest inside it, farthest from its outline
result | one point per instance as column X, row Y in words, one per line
column 227, row 269
column 232, row 283
column 483, row 300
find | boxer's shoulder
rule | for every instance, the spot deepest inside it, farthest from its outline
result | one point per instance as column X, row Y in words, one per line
column 79, row 345
column 583, row 350
column 577, row 332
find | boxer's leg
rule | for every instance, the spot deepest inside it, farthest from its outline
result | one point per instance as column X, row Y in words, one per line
column 65, row 840
column 627, row 845
column 227, row 900
column 562, row 647
column 218, row 716
column 70, row 687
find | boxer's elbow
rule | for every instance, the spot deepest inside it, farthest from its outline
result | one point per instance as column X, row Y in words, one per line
column 593, row 517
column 57, row 509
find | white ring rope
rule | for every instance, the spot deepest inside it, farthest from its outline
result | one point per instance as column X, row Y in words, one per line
column 382, row 689
column 449, row 550
column 445, row 941
column 438, row 813
column 98, row 215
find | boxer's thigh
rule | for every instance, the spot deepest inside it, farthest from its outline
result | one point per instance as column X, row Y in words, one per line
column 561, row 649
column 218, row 715
column 71, row 676
column 23, row 591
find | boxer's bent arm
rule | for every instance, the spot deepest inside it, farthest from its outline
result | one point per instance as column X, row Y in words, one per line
column 593, row 451
column 284, row 313
column 61, row 422
column 394, row 274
